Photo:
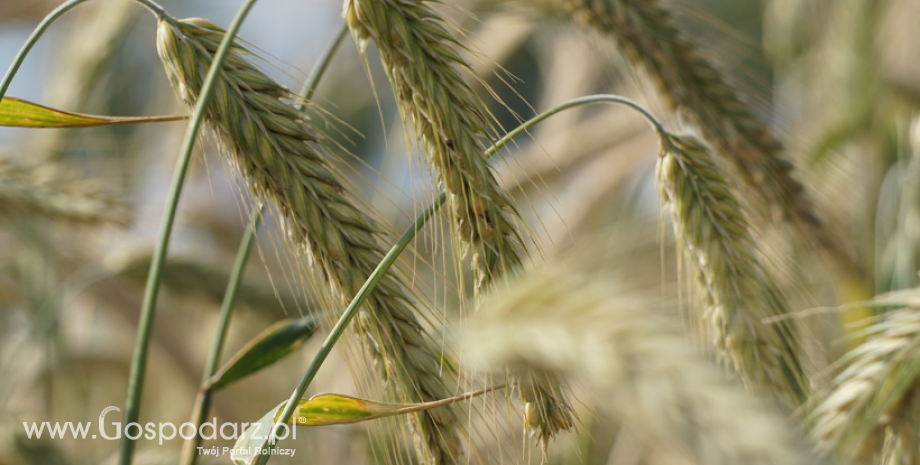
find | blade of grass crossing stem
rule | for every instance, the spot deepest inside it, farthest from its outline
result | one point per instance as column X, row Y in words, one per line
column 203, row 402
column 406, row 238
column 139, row 360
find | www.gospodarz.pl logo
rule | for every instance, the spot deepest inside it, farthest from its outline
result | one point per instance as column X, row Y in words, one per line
column 161, row 431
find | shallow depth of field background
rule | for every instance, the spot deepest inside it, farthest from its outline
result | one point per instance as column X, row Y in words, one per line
column 838, row 79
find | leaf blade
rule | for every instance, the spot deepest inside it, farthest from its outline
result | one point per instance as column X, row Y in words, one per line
column 15, row 112
column 330, row 409
column 270, row 346
column 337, row 409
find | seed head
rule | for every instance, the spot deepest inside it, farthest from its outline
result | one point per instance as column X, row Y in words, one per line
column 282, row 159
column 738, row 290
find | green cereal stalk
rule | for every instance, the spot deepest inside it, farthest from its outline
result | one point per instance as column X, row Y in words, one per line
column 148, row 307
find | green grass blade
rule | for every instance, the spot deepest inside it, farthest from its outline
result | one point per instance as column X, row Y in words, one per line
column 139, row 360
column 272, row 345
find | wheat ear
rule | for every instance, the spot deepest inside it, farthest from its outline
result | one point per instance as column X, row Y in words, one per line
column 738, row 290
column 878, row 389
column 51, row 193
column 281, row 158
column 647, row 33
column 420, row 56
column 635, row 366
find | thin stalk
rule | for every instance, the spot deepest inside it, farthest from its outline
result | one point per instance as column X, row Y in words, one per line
column 148, row 309
column 406, row 238
column 203, row 401
column 322, row 65
column 43, row 26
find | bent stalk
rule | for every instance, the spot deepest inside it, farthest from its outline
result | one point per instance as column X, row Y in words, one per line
column 139, row 360
column 203, row 401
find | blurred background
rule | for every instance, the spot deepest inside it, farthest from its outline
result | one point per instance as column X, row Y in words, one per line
column 838, row 80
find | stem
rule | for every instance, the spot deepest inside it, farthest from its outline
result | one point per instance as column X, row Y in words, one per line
column 43, row 27
column 407, row 237
column 154, row 8
column 203, row 401
column 139, row 360
column 322, row 64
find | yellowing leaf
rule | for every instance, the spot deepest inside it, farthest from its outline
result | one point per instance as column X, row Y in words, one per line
column 335, row 409
column 328, row 409
column 20, row 113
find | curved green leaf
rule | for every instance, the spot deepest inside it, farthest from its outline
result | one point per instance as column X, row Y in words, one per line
column 273, row 344
column 20, row 113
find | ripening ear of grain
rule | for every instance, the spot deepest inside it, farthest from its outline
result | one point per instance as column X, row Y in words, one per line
column 878, row 390
column 48, row 192
column 281, row 158
column 738, row 290
column 635, row 366
column 420, row 56
column 647, row 33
